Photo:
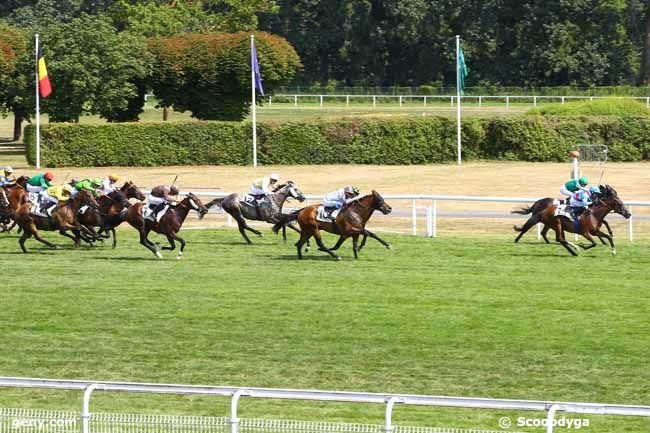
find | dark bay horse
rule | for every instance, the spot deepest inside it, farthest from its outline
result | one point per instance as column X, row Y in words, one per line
column 241, row 211
column 169, row 225
column 590, row 221
column 350, row 223
column 535, row 212
column 110, row 213
column 15, row 195
column 64, row 218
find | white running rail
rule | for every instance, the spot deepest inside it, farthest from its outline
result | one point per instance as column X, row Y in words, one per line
column 431, row 208
column 389, row 400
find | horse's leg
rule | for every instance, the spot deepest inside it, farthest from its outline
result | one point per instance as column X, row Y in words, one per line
column 284, row 234
column 367, row 233
column 559, row 230
column 544, row 231
column 304, row 238
column 601, row 235
column 172, row 243
column 590, row 238
column 338, row 244
column 534, row 219
column 242, row 229
column 114, row 237
column 322, row 246
column 355, row 245
column 26, row 235
column 38, row 236
column 148, row 244
column 609, row 230
column 171, row 237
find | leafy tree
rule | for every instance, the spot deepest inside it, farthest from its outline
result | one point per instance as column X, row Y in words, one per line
column 209, row 73
column 14, row 79
column 92, row 69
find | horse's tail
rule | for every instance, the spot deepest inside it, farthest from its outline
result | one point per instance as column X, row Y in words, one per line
column 284, row 219
column 215, row 202
column 517, row 229
column 524, row 210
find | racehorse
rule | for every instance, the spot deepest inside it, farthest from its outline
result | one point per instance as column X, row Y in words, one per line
column 350, row 222
column 241, row 210
column 110, row 213
column 169, row 225
column 64, row 218
column 590, row 221
column 15, row 195
column 535, row 212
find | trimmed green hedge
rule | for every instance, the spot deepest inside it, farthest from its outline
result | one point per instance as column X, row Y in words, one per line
column 375, row 141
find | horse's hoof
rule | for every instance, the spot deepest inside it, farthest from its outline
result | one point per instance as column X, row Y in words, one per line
column 389, row 247
column 260, row 235
column 159, row 255
column 337, row 258
column 179, row 256
column 614, row 252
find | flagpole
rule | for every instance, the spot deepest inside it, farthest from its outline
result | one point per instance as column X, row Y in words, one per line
column 253, row 96
column 458, row 99
column 38, row 113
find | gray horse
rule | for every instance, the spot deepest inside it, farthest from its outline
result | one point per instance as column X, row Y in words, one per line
column 268, row 210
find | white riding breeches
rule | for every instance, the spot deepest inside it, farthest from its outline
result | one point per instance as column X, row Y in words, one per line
column 32, row 188
column 153, row 200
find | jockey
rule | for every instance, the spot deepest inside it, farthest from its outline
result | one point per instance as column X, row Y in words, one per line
column 53, row 195
column 261, row 186
column 108, row 184
column 40, row 182
column 581, row 200
column 574, row 185
column 90, row 185
column 336, row 199
column 160, row 196
column 8, row 178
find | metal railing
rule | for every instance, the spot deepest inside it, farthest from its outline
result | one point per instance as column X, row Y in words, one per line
column 388, row 400
column 432, row 213
column 477, row 99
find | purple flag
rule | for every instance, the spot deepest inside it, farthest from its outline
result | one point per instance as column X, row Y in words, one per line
column 256, row 68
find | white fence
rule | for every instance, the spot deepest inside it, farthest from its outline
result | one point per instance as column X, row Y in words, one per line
column 425, row 99
column 50, row 421
column 432, row 213
column 550, row 408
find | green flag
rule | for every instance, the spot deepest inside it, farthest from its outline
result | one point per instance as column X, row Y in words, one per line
column 462, row 71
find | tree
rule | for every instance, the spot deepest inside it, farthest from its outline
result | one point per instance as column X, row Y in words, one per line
column 13, row 78
column 209, row 73
column 92, row 68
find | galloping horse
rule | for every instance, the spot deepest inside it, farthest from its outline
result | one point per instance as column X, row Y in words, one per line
column 590, row 221
column 169, row 225
column 535, row 212
column 64, row 218
column 15, row 195
column 241, row 210
column 110, row 213
column 350, row 222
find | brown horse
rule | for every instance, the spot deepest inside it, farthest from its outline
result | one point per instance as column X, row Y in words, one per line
column 350, row 223
column 169, row 225
column 590, row 221
column 64, row 218
column 111, row 212
column 15, row 195
column 535, row 211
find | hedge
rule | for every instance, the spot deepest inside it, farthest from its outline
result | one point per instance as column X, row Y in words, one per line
column 374, row 141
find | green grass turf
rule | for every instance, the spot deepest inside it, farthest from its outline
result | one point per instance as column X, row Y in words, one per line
column 478, row 317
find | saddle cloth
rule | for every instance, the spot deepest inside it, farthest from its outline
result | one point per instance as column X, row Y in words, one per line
column 35, row 200
column 561, row 210
column 147, row 213
column 323, row 215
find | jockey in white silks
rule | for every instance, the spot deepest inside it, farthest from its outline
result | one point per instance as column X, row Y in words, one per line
column 262, row 186
column 336, row 199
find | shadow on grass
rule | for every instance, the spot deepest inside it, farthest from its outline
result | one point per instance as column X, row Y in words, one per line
column 127, row 258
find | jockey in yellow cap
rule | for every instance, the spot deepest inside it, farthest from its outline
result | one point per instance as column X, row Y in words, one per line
column 108, row 184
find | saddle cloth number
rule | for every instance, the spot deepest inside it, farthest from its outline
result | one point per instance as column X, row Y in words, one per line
column 322, row 214
column 561, row 210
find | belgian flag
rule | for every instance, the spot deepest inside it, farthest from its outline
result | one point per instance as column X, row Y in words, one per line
column 43, row 80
